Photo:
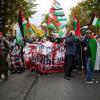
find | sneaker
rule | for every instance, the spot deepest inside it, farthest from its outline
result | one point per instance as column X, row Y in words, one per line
column 92, row 79
column 72, row 76
column 6, row 78
column 0, row 80
column 96, row 82
column 18, row 71
column 90, row 82
column 67, row 78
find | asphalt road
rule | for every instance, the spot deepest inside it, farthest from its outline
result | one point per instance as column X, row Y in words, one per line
column 29, row 86
column 54, row 87
column 17, row 87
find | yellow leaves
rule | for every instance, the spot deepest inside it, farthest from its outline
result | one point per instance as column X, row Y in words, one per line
column 38, row 32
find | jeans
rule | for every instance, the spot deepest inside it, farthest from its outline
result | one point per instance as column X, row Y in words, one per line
column 89, row 67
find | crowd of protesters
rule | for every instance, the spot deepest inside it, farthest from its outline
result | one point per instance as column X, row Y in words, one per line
column 81, row 52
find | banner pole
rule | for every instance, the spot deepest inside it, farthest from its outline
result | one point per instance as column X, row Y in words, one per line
column 82, row 70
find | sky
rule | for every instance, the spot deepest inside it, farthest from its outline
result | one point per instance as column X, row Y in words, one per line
column 45, row 5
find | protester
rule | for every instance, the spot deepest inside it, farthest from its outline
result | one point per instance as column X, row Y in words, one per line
column 16, row 60
column 4, row 50
column 71, row 47
column 84, row 49
column 22, row 45
column 12, row 42
column 91, row 56
column 97, row 64
column 78, row 58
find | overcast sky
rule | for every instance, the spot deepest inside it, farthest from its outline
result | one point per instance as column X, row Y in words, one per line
column 44, row 6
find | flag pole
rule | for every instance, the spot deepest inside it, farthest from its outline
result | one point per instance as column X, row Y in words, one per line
column 82, row 70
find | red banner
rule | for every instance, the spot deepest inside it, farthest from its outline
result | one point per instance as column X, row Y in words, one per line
column 45, row 59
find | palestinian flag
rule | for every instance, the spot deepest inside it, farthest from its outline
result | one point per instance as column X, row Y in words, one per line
column 50, row 24
column 19, row 36
column 75, row 23
column 78, row 30
column 62, row 19
column 93, row 50
column 58, row 18
column 29, row 30
column 56, row 4
column 22, row 22
column 96, row 22
column 76, row 26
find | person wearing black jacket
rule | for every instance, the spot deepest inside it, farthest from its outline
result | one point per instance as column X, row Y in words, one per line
column 84, row 50
column 71, row 49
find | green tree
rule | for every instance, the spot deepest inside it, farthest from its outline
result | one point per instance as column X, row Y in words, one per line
column 84, row 12
column 10, row 8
